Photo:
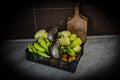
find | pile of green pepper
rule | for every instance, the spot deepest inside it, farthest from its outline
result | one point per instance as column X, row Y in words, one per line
column 41, row 47
column 70, row 43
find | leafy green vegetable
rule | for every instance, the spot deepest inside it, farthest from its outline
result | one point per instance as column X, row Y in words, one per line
column 41, row 34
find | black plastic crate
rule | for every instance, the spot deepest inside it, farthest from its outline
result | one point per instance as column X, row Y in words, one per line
column 57, row 63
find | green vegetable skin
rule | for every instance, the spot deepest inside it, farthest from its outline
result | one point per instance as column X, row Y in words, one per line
column 45, row 35
column 76, row 49
column 65, row 33
column 64, row 50
column 70, row 51
column 33, row 48
column 55, row 53
column 29, row 48
column 76, row 42
column 59, row 35
column 38, row 47
column 47, row 42
column 43, row 44
column 43, row 54
column 64, row 41
column 41, row 34
column 73, row 37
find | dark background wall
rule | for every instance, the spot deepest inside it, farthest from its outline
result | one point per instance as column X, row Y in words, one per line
column 21, row 19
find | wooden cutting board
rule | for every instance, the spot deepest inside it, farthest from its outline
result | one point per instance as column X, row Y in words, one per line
column 78, row 24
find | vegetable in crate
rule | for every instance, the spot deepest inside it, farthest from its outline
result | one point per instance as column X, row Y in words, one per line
column 31, row 48
column 63, row 49
column 48, row 42
column 41, row 46
column 65, row 33
column 70, row 51
column 73, row 37
column 71, row 58
column 55, row 50
column 64, row 41
column 38, row 47
column 70, row 44
column 43, row 43
column 77, row 49
column 76, row 42
column 43, row 54
column 64, row 57
column 41, row 34
column 52, row 33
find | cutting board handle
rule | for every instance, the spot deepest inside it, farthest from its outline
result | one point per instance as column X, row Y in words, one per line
column 76, row 11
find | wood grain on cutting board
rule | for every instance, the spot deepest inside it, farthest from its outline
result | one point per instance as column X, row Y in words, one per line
column 78, row 24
